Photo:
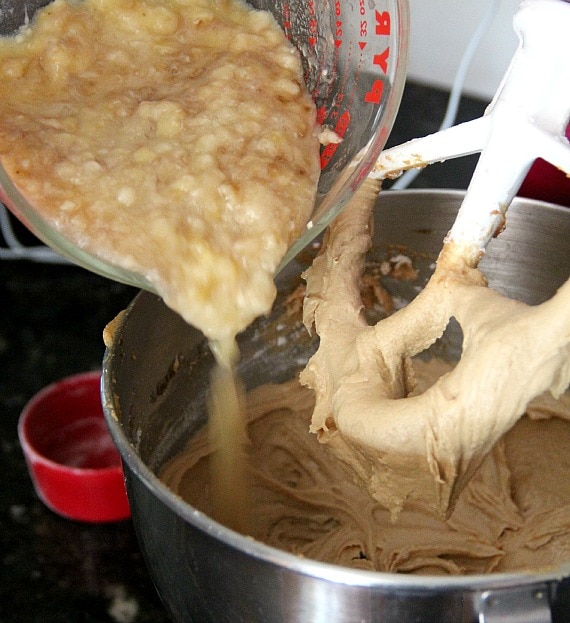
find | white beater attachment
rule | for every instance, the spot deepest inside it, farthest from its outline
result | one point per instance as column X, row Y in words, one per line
column 526, row 120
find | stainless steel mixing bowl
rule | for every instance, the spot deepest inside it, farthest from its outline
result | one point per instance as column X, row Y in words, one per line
column 154, row 386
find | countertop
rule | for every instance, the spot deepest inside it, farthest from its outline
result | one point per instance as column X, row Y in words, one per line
column 53, row 570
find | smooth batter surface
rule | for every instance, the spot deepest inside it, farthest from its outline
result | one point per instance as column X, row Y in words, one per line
column 513, row 515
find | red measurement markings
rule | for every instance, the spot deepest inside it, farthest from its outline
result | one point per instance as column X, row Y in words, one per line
column 338, row 27
column 381, row 28
column 287, row 20
column 340, row 129
column 338, row 34
column 313, row 28
column 382, row 23
column 363, row 23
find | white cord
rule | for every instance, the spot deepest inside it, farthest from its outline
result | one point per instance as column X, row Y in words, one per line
column 17, row 251
column 457, row 88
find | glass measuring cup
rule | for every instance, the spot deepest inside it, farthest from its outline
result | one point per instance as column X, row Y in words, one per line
column 354, row 57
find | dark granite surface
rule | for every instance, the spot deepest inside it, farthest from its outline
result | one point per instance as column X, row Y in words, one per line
column 53, row 570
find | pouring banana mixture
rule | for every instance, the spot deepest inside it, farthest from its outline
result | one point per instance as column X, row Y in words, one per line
column 146, row 133
column 175, row 139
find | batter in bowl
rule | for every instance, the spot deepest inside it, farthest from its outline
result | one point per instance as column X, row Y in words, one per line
column 423, row 449
column 509, row 511
column 513, row 515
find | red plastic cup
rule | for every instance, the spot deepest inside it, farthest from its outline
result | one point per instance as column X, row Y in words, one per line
column 71, row 457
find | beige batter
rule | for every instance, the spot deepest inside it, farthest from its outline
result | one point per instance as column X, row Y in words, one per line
column 514, row 514
column 422, row 469
column 423, row 450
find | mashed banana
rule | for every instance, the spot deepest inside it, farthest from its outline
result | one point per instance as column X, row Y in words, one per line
column 173, row 138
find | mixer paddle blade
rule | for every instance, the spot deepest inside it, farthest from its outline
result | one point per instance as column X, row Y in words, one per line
column 526, row 120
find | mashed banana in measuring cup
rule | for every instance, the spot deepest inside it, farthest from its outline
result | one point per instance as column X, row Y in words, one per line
column 173, row 138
